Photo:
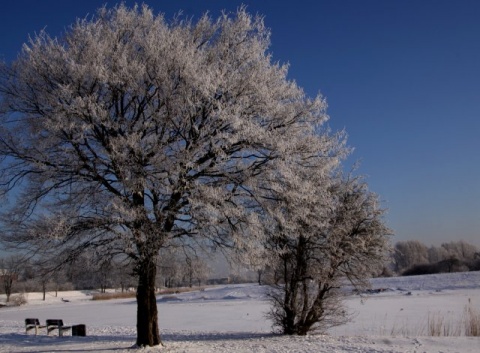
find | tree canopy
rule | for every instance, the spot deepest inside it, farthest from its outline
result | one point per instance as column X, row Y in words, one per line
column 129, row 132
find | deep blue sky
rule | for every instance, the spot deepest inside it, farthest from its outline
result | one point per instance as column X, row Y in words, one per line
column 402, row 77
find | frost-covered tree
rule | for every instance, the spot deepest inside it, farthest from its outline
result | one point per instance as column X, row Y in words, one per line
column 460, row 250
column 437, row 254
column 169, row 267
column 409, row 253
column 320, row 241
column 195, row 269
column 182, row 265
column 122, row 276
column 130, row 131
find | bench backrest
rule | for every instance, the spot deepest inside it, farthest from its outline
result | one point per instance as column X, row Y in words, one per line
column 33, row 322
column 54, row 322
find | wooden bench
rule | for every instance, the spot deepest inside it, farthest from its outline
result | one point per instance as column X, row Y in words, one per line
column 56, row 324
column 32, row 324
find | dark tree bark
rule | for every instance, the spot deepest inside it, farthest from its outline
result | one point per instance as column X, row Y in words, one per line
column 7, row 285
column 259, row 276
column 147, row 314
column 44, row 289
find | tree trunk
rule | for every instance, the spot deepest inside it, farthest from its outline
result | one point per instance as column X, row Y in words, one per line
column 147, row 314
column 259, row 276
column 289, row 323
column 44, row 289
column 8, row 282
column 288, row 320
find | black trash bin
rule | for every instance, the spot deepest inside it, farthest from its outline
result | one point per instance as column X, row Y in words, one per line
column 79, row 330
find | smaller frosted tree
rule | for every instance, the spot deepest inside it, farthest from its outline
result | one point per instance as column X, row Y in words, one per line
column 337, row 237
column 460, row 250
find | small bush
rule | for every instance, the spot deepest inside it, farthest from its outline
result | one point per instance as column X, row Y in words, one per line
column 18, row 299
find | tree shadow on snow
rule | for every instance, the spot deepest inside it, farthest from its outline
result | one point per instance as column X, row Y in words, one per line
column 111, row 343
column 45, row 344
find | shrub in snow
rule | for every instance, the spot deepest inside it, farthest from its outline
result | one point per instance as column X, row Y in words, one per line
column 18, row 299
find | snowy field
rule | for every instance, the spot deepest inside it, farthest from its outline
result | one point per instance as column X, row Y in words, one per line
column 231, row 319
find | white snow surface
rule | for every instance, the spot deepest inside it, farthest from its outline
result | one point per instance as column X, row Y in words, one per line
column 231, row 318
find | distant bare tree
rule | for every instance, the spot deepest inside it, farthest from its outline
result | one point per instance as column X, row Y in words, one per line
column 195, row 269
column 260, row 267
column 104, row 275
column 123, row 275
column 10, row 268
column 169, row 265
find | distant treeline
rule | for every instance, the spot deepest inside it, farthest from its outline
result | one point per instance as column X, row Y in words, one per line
column 415, row 258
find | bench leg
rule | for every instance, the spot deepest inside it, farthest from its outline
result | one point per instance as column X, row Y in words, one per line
column 32, row 328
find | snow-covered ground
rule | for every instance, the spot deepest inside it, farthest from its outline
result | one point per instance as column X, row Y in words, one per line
column 231, row 318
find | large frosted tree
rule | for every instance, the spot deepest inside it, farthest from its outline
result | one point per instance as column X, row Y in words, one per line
column 129, row 132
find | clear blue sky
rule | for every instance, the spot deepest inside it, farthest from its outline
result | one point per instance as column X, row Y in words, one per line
column 402, row 77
